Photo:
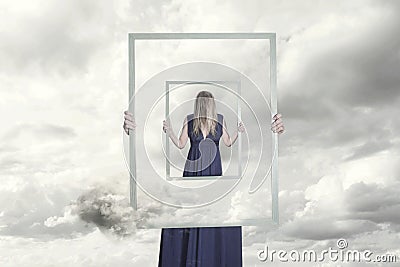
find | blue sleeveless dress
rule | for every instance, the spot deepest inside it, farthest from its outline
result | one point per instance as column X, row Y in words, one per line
column 202, row 246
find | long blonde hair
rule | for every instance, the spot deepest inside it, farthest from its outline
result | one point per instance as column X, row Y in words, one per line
column 205, row 112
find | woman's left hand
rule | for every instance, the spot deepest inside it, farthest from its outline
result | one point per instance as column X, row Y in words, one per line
column 241, row 128
column 277, row 124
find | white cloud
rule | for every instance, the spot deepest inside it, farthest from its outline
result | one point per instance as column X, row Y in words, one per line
column 64, row 80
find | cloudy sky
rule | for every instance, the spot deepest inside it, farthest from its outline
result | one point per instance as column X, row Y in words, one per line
column 64, row 85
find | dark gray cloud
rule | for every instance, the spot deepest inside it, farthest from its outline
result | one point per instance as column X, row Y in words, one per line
column 369, row 148
column 345, row 91
column 373, row 202
column 46, row 212
column 56, row 39
column 102, row 207
column 110, row 210
column 357, row 71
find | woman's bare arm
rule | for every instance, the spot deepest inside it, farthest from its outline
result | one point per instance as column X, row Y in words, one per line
column 228, row 141
column 181, row 142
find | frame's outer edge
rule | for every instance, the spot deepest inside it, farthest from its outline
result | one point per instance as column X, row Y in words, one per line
column 273, row 84
column 220, row 35
column 274, row 109
column 132, row 135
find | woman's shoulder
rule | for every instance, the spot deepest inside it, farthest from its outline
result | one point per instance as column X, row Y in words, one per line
column 189, row 117
column 220, row 118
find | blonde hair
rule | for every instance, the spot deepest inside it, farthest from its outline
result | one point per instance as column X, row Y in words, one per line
column 205, row 113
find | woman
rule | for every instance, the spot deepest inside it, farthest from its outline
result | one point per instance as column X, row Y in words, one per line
column 202, row 246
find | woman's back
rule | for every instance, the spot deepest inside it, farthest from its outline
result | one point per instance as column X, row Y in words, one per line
column 197, row 138
column 204, row 158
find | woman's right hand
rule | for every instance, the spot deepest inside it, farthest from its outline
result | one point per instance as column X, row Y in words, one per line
column 129, row 122
column 277, row 124
column 166, row 126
